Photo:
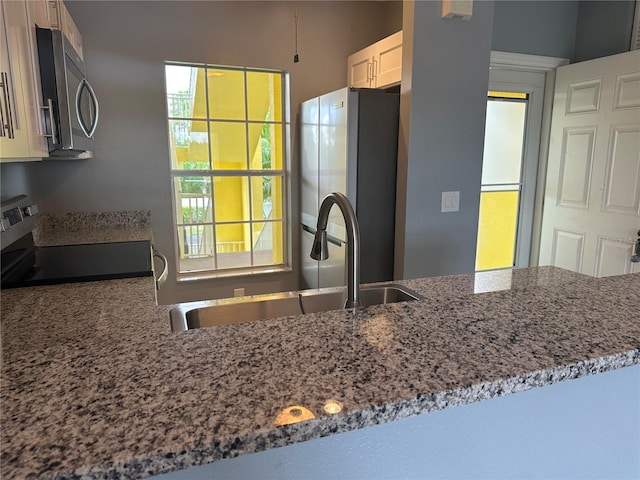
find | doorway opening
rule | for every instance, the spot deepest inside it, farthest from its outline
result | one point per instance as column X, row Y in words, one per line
column 510, row 169
column 501, row 180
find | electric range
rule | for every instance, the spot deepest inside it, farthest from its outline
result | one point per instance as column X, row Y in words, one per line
column 24, row 264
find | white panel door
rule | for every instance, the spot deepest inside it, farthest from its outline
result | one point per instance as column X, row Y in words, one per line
column 592, row 198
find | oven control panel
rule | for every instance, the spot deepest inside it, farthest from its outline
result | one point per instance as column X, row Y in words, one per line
column 17, row 217
column 12, row 216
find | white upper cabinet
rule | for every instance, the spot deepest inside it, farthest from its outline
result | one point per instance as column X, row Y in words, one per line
column 361, row 68
column 388, row 61
column 44, row 13
column 53, row 14
column 377, row 66
column 70, row 30
column 21, row 136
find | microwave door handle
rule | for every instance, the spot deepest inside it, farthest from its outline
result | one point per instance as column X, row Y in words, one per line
column 88, row 131
column 52, row 122
column 83, row 126
column 96, row 108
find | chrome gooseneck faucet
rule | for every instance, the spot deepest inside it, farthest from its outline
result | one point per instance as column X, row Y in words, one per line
column 320, row 249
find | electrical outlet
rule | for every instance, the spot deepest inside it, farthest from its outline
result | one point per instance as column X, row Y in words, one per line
column 238, row 292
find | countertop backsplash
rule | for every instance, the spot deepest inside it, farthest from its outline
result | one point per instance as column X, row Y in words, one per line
column 92, row 227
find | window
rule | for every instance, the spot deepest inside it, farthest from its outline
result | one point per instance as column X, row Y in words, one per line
column 228, row 136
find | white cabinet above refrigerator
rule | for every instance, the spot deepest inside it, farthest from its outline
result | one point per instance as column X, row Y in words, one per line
column 378, row 65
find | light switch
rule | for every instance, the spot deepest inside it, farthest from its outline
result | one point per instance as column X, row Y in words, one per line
column 450, row 202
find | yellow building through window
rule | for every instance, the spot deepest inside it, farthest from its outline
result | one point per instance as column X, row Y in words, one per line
column 228, row 130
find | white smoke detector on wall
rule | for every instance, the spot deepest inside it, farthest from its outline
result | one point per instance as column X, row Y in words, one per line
column 457, row 9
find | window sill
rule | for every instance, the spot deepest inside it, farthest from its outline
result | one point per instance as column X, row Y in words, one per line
column 212, row 275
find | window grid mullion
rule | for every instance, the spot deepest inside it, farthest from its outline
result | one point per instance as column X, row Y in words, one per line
column 212, row 203
column 284, row 155
column 228, row 173
column 249, row 177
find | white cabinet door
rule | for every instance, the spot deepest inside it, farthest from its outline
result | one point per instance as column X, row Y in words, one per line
column 592, row 199
column 54, row 14
column 377, row 66
column 387, row 62
column 44, row 13
column 360, row 68
column 19, row 95
column 70, row 30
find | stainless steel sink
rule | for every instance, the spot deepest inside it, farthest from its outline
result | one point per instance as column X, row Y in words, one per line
column 214, row 313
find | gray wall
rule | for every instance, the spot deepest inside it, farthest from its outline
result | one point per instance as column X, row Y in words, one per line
column 126, row 44
column 534, row 27
column 447, row 95
column 603, row 29
column 577, row 30
column 14, row 180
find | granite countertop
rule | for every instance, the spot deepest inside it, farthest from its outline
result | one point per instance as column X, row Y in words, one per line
column 95, row 384
column 86, row 227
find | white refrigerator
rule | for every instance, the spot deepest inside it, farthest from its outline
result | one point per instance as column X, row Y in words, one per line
column 349, row 144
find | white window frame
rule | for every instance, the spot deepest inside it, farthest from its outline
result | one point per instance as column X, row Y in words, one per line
column 284, row 173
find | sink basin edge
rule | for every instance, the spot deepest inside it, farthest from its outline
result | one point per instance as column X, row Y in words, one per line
column 192, row 315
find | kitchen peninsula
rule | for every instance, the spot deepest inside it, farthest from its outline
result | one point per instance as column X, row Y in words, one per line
column 95, row 385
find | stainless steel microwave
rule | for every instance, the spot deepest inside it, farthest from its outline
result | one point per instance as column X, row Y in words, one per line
column 70, row 105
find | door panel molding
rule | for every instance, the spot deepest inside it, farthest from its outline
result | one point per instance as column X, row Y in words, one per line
column 612, row 256
column 622, row 188
column 584, row 97
column 627, row 94
column 576, row 167
column 567, row 249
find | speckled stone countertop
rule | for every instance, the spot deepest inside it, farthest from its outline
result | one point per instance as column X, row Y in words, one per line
column 87, row 227
column 95, row 385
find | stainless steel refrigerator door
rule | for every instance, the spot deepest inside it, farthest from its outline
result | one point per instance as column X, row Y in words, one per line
column 332, row 271
column 332, row 167
column 308, row 266
column 327, row 273
column 309, row 143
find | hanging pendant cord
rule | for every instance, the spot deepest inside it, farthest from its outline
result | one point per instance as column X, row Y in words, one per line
column 296, row 58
